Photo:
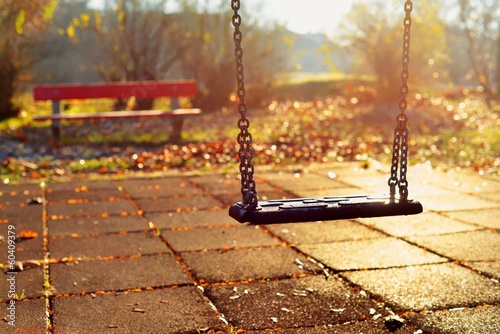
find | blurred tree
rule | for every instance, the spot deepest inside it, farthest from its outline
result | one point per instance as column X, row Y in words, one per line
column 480, row 22
column 22, row 23
column 55, row 68
column 132, row 41
column 210, row 60
column 374, row 33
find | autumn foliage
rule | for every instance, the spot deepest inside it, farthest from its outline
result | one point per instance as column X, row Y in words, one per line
column 22, row 23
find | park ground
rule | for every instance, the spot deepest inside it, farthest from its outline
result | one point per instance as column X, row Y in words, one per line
column 130, row 233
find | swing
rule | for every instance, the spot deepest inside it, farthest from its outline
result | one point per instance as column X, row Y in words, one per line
column 251, row 210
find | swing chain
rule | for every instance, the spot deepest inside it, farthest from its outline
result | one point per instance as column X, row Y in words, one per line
column 246, row 152
column 401, row 133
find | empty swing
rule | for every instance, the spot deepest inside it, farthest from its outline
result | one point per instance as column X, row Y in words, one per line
column 251, row 210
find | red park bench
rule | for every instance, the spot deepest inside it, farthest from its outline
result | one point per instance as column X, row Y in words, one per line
column 118, row 90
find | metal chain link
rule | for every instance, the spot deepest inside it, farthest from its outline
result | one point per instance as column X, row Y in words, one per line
column 246, row 152
column 401, row 133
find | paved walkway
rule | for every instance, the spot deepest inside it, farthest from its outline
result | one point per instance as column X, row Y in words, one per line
column 162, row 256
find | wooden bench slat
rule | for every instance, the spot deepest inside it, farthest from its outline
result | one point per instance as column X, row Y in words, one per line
column 119, row 114
column 123, row 90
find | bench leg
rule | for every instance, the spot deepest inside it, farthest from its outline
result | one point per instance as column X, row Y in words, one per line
column 56, row 132
column 176, row 129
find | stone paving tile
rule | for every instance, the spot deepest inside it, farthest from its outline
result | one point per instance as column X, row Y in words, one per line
column 482, row 320
column 263, row 195
column 356, row 177
column 20, row 214
column 237, row 265
column 302, row 181
column 106, row 245
column 228, row 191
column 228, row 185
column 158, row 187
column 19, row 194
column 372, row 253
column 181, row 203
column 457, row 181
column 91, row 208
column 345, row 191
column 30, row 223
column 436, row 286
column 311, row 301
column 361, row 327
column 266, row 196
column 322, row 232
column 164, row 220
column 26, row 249
column 99, row 225
column 181, row 310
column 30, row 318
column 81, row 186
column 229, row 199
column 218, row 238
column 98, row 195
column 471, row 246
column 117, row 274
column 439, row 199
column 218, row 184
column 422, row 224
column 486, row 218
column 489, row 268
column 432, row 197
column 492, row 197
column 372, row 183
column 30, row 280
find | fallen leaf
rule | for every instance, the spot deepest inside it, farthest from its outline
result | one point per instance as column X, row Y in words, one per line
column 138, row 310
column 35, row 201
column 28, row 234
column 337, row 310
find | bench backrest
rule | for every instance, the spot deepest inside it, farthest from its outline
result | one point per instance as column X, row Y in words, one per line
column 123, row 90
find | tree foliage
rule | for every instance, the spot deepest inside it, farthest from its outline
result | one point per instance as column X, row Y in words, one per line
column 480, row 23
column 129, row 40
column 132, row 40
column 210, row 60
column 21, row 25
column 374, row 33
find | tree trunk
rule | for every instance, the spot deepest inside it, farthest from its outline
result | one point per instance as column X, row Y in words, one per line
column 143, row 104
column 7, row 78
column 497, row 69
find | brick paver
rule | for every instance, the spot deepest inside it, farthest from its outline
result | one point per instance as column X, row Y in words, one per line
column 370, row 254
column 436, row 286
column 116, row 274
column 161, row 255
column 166, row 310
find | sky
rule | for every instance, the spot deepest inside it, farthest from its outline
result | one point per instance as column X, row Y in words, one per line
column 307, row 16
column 300, row 16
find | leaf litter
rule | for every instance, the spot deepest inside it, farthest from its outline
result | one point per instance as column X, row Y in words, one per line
column 450, row 131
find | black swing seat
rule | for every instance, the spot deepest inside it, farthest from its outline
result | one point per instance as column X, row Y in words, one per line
column 326, row 208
